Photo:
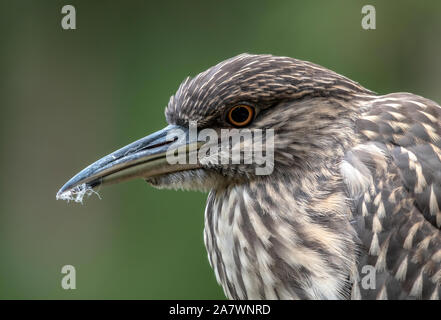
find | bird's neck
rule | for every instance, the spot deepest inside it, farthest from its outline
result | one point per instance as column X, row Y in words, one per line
column 283, row 237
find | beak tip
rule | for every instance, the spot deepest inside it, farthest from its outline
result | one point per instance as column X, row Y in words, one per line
column 64, row 193
column 72, row 192
column 74, row 185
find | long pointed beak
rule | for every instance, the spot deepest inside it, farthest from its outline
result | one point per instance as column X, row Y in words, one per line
column 144, row 158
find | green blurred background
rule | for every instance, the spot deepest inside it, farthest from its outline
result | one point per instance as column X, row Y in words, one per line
column 69, row 97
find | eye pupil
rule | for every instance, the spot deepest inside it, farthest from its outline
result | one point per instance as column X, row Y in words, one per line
column 240, row 114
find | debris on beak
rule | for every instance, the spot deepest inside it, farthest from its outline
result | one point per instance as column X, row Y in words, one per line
column 77, row 193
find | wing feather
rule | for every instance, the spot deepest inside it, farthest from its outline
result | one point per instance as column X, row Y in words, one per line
column 397, row 201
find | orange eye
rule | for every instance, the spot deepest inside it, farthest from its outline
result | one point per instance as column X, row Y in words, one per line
column 240, row 115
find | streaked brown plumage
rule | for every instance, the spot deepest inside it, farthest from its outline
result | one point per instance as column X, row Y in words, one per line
column 356, row 182
column 307, row 230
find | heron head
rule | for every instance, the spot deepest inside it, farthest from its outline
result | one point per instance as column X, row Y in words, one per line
column 242, row 119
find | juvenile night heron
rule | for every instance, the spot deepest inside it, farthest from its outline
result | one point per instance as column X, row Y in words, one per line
column 355, row 189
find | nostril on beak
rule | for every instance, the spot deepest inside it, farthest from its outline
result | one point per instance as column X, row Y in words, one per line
column 158, row 144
